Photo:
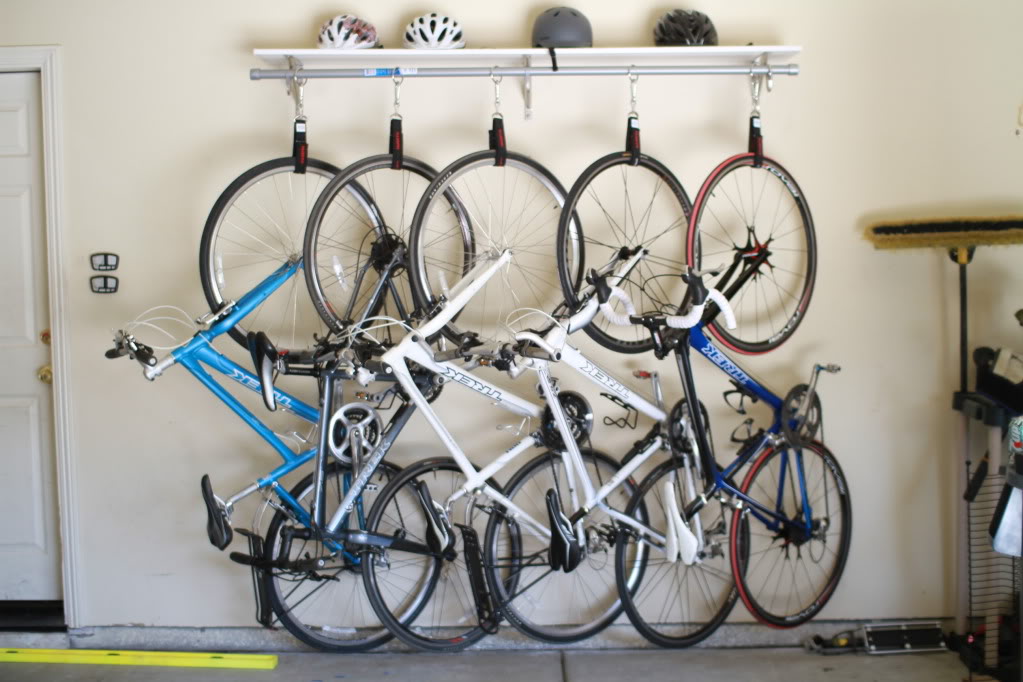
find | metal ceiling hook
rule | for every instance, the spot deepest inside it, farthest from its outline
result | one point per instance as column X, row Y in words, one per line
column 633, row 80
column 497, row 92
column 397, row 79
column 296, row 87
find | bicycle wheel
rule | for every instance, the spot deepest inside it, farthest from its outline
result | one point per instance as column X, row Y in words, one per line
column 546, row 604
column 786, row 572
column 348, row 243
column 322, row 605
column 675, row 605
column 742, row 211
column 617, row 205
column 514, row 207
column 256, row 225
column 424, row 599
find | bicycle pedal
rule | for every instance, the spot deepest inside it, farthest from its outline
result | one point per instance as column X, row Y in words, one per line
column 218, row 526
column 564, row 553
column 486, row 611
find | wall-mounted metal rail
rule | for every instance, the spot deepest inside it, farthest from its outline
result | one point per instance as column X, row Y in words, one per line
column 747, row 60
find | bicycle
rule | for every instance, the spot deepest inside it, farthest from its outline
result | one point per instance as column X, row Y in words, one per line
column 499, row 573
column 749, row 211
column 777, row 513
column 522, row 563
column 306, row 565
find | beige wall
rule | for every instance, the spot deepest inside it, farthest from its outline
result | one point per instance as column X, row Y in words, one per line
column 902, row 110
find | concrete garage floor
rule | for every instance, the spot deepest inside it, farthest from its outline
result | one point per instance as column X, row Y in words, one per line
column 694, row 665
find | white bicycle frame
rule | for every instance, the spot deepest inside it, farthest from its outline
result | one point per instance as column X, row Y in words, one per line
column 415, row 348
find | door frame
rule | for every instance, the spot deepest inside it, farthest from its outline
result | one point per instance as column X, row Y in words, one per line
column 46, row 60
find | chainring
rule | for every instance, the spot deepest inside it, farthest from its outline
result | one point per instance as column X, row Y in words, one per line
column 578, row 414
column 800, row 429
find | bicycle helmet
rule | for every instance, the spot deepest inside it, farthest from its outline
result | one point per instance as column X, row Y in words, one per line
column 347, row 32
column 685, row 27
column 562, row 27
column 434, row 32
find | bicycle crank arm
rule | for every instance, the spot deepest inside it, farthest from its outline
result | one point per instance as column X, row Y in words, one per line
column 360, row 537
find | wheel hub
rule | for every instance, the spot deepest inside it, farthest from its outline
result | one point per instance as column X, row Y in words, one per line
column 754, row 248
column 383, row 250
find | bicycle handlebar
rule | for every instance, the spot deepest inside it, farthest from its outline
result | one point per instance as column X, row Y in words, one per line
column 686, row 321
column 126, row 344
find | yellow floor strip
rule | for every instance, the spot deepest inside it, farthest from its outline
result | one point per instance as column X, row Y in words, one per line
column 181, row 659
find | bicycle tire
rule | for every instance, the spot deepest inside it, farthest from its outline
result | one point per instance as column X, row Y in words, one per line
column 778, row 605
column 440, row 255
column 601, row 204
column 420, row 622
column 335, row 246
column 687, row 607
column 252, row 216
column 773, row 301
column 593, row 606
column 327, row 613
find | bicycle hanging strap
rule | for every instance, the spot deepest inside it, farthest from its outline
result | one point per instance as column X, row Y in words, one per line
column 632, row 139
column 396, row 144
column 497, row 142
column 299, row 148
column 756, row 141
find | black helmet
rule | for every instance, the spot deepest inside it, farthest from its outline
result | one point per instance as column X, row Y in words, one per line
column 685, row 27
column 562, row 27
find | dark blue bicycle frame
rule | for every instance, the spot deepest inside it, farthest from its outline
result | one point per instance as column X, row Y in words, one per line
column 718, row 479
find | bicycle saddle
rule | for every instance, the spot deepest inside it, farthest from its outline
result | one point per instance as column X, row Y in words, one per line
column 264, row 357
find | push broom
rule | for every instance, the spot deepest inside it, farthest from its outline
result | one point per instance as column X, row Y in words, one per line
column 961, row 236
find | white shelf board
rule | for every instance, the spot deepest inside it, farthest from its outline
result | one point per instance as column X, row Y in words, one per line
column 718, row 54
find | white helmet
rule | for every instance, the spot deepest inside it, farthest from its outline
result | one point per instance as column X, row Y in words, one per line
column 347, row 31
column 434, row 32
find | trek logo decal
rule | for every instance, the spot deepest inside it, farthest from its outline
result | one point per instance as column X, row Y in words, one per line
column 722, row 361
column 604, row 379
column 474, row 384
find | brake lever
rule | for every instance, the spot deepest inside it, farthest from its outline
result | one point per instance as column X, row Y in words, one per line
column 120, row 346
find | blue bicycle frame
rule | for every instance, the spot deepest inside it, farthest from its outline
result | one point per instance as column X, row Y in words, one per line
column 200, row 351
column 719, row 479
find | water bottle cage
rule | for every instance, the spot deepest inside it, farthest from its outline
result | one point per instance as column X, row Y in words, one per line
column 743, row 393
column 630, row 419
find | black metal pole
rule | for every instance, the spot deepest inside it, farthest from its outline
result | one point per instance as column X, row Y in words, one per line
column 962, row 326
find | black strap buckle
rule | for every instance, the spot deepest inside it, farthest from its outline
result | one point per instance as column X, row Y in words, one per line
column 299, row 147
column 756, row 141
column 498, row 143
column 396, row 144
column 632, row 139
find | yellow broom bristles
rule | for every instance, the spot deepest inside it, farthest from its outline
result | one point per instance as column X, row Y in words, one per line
column 947, row 233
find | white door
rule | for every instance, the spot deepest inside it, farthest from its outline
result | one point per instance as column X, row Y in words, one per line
column 29, row 537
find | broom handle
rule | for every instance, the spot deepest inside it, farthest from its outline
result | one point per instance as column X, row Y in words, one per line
column 962, row 325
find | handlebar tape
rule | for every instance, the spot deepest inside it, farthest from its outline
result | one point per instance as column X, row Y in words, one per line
column 724, row 306
column 617, row 318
